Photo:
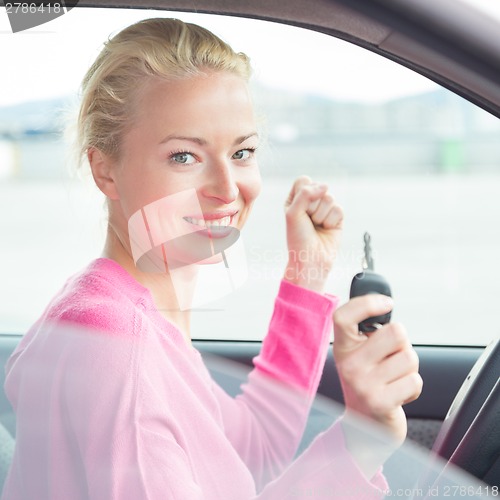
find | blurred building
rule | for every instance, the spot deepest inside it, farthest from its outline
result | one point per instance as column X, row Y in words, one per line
column 433, row 132
column 31, row 140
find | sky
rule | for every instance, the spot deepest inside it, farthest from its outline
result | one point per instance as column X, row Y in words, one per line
column 50, row 60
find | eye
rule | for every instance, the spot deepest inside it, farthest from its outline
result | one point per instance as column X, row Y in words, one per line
column 243, row 154
column 183, row 158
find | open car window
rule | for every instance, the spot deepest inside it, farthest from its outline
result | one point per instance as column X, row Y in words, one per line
column 411, row 163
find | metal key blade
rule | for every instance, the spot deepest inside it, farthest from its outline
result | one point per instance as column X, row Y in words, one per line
column 368, row 259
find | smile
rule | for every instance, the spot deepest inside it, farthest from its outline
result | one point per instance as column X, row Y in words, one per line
column 210, row 224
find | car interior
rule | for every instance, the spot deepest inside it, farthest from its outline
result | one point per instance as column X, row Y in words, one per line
column 457, row 47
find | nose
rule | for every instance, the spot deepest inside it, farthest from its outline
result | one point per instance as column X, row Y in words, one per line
column 220, row 182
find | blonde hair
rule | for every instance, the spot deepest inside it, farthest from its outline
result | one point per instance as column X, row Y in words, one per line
column 162, row 48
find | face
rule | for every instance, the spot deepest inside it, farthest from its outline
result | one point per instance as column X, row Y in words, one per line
column 192, row 146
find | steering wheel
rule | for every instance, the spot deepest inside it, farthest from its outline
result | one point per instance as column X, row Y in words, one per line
column 470, row 435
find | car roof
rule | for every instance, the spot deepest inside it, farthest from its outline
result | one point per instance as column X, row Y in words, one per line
column 445, row 40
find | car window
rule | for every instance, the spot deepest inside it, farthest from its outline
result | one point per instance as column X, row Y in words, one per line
column 411, row 163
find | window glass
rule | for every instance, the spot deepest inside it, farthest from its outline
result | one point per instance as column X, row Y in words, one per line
column 411, row 163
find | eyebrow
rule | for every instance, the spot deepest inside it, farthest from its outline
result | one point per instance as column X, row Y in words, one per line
column 203, row 142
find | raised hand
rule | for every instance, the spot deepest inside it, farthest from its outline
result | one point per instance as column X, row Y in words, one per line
column 314, row 222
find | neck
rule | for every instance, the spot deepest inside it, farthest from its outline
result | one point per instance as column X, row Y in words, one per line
column 169, row 293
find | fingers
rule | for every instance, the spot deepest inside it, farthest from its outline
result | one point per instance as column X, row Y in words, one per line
column 403, row 362
column 383, row 400
column 379, row 373
column 313, row 199
column 327, row 213
column 313, row 230
column 385, row 356
column 303, row 180
column 405, row 389
column 347, row 317
column 321, row 208
column 305, row 197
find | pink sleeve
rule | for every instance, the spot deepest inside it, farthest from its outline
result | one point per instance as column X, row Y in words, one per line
column 266, row 422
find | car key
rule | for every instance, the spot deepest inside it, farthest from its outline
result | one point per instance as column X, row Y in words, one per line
column 366, row 282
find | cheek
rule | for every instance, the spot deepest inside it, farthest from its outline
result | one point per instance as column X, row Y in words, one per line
column 145, row 187
column 134, row 196
column 251, row 186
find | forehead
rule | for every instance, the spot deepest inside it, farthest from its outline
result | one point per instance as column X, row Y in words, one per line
column 193, row 100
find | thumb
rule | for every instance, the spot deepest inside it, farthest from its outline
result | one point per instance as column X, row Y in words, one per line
column 303, row 180
column 347, row 317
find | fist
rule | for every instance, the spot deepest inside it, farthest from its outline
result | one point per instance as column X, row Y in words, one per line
column 314, row 222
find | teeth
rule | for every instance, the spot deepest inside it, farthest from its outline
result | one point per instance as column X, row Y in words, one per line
column 224, row 222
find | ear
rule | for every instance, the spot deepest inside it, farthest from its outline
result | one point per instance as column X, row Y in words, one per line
column 102, row 168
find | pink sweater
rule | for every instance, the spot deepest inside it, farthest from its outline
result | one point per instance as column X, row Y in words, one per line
column 112, row 403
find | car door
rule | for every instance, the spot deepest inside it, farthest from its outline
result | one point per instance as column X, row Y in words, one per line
column 411, row 162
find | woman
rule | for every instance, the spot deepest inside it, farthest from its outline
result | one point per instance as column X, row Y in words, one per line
column 112, row 401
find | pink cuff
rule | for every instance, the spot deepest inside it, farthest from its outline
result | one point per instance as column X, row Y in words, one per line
column 308, row 299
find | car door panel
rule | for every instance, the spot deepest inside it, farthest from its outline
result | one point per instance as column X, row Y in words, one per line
column 443, row 370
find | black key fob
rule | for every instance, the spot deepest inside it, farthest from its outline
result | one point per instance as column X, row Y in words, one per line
column 369, row 282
